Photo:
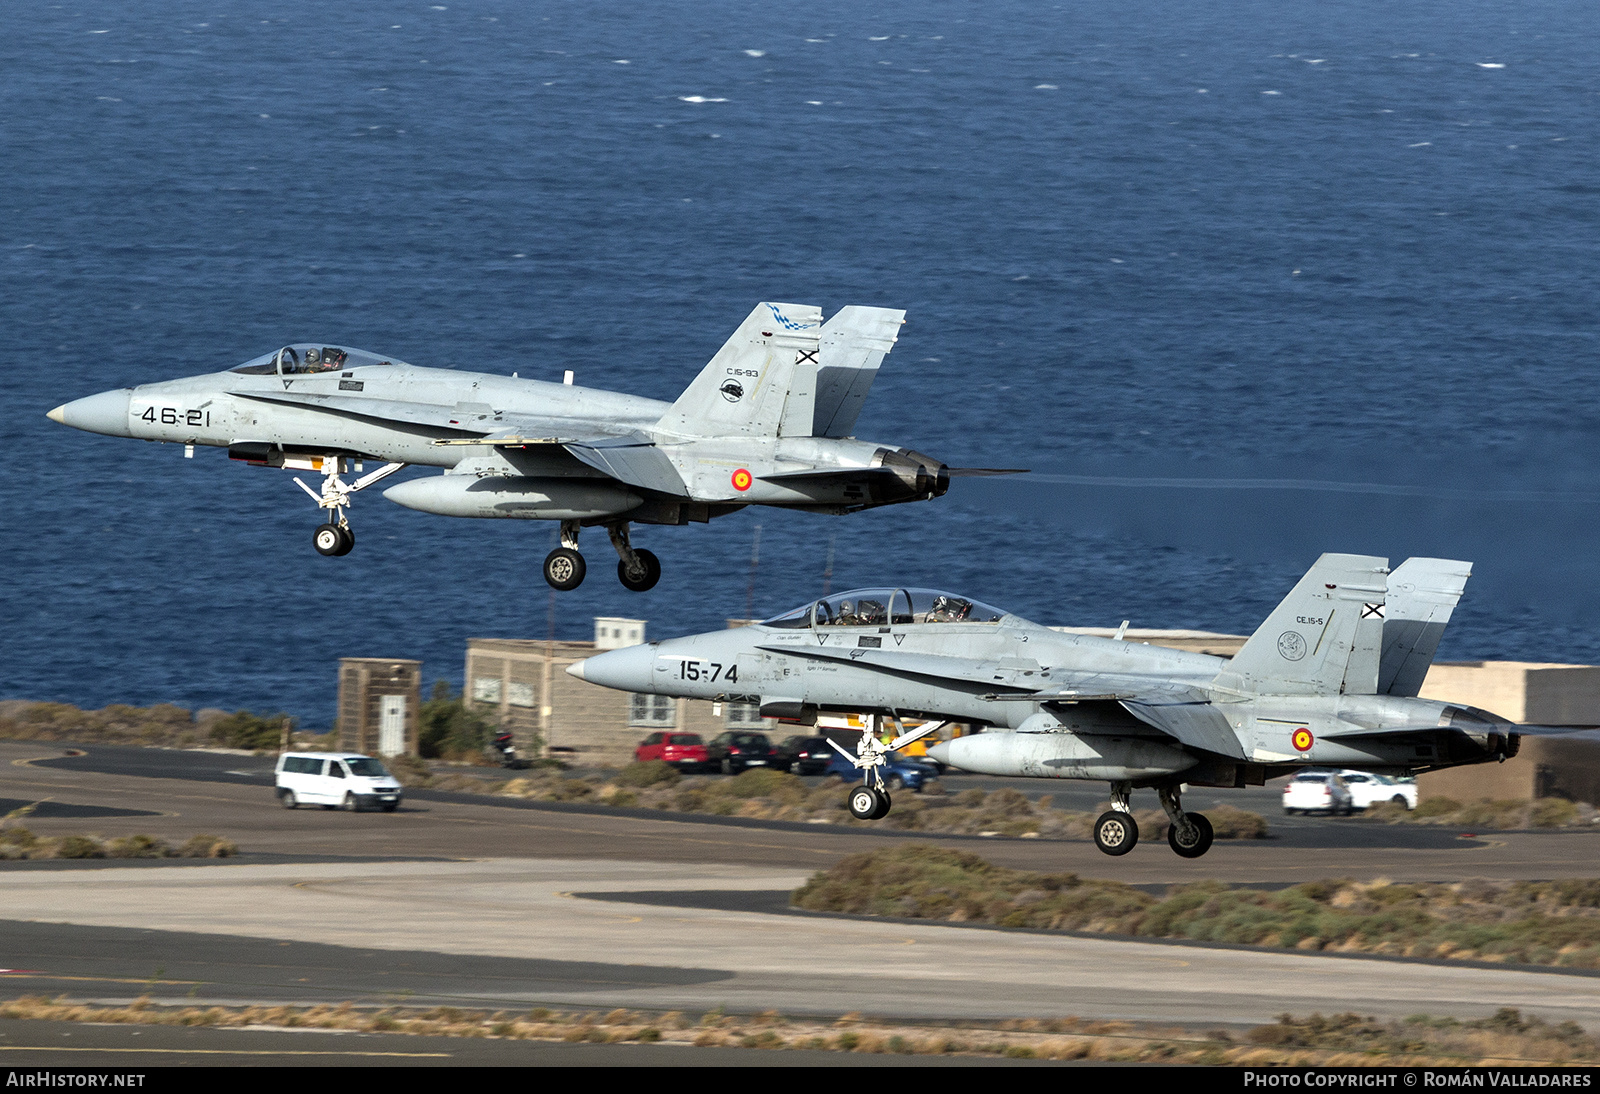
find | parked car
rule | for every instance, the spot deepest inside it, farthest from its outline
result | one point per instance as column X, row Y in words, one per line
column 804, row 755
column 897, row 772
column 335, row 780
column 736, row 750
column 684, row 751
column 1367, row 789
column 1317, row 792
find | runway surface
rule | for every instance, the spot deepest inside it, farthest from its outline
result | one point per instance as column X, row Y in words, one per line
column 473, row 901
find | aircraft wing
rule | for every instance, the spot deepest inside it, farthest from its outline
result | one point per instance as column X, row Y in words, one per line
column 633, row 460
column 1196, row 724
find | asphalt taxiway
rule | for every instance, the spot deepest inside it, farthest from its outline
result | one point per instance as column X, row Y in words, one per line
column 499, row 903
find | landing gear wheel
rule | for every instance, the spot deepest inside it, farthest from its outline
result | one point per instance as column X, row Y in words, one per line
column 564, row 569
column 289, row 800
column 883, row 808
column 1199, row 837
column 348, row 540
column 1116, row 833
column 864, row 803
column 652, row 571
column 328, row 539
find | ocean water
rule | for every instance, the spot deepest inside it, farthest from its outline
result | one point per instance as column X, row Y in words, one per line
column 1240, row 284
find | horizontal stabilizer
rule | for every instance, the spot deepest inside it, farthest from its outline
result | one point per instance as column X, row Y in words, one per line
column 852, row 346
column 1422, row 594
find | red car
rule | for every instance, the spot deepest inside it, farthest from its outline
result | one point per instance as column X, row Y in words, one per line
column 684, row 751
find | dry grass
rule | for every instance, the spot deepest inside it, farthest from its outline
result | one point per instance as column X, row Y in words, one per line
column 1537, row 923
column 1342, row 1040
column 17, row 842
column 767, row 794
column 1489, row 814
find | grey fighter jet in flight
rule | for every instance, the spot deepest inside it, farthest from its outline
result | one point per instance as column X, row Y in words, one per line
column 767, row 422
column 1331, row 678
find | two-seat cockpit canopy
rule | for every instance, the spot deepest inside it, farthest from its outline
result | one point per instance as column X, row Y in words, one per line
column 308, row 358
column 884, row 607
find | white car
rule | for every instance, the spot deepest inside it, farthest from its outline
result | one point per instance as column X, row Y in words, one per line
column 1317, row 792
column 336, row 780
column 1367, row 789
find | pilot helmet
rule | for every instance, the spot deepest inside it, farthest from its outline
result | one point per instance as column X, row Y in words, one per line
column 313, row 356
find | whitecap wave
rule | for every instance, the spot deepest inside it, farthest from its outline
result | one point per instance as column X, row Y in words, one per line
column 1490, row 64
column 698, row 99
column 755, row 53
column 1046, row 87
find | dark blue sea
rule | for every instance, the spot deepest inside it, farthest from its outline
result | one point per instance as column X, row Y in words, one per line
column 1241, row 283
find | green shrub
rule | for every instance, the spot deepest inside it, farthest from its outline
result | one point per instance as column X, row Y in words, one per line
column 243, row 729
column 202, row 845
column 1552, row 813
column 764, row 782
column 139, row 846
column 653, row 773
column 449, row 729
column 79, row 847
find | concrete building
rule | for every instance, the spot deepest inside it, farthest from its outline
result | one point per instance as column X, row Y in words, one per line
column 1537, row 694
column 379, row 699
column 524, row 685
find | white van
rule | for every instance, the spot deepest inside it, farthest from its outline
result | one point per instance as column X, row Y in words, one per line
column 336, row 780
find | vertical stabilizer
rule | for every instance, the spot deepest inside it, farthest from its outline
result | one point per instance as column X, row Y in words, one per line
column 1323, row 638
column 761, row 383
column 853, row 346
column 1422, row 594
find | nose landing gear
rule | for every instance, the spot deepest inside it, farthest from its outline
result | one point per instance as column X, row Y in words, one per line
column 335, row 537
column 870, row 800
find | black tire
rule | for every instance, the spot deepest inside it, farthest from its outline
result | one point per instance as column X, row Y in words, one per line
column 884, row 803
column 328, row 539
column 288, row 800
column 652, row 572
column 1202, row 841
column 349, row 540
column 893, row 782
column 1116, row 833
column 350, row 803
column 391, row 807
column 727, row 767
column 564, row 569
column 1400, row 800
column 863, row 803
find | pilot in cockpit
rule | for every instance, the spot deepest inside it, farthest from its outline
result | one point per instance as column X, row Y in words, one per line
column 949, row 609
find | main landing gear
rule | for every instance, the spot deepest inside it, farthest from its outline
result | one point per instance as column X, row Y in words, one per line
column 335, row 537
column 870, row 800
column 637, row 568
column 1117, row 833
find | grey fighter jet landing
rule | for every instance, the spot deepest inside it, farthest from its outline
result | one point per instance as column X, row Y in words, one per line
column 1331, row 678
column 767, row 422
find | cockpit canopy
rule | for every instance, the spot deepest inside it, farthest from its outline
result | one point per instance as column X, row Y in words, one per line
column 306, row 358
column 883, row 607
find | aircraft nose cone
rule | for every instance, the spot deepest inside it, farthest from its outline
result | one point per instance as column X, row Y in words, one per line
column 626, row 669
column 940, row 752
column 105, row 413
